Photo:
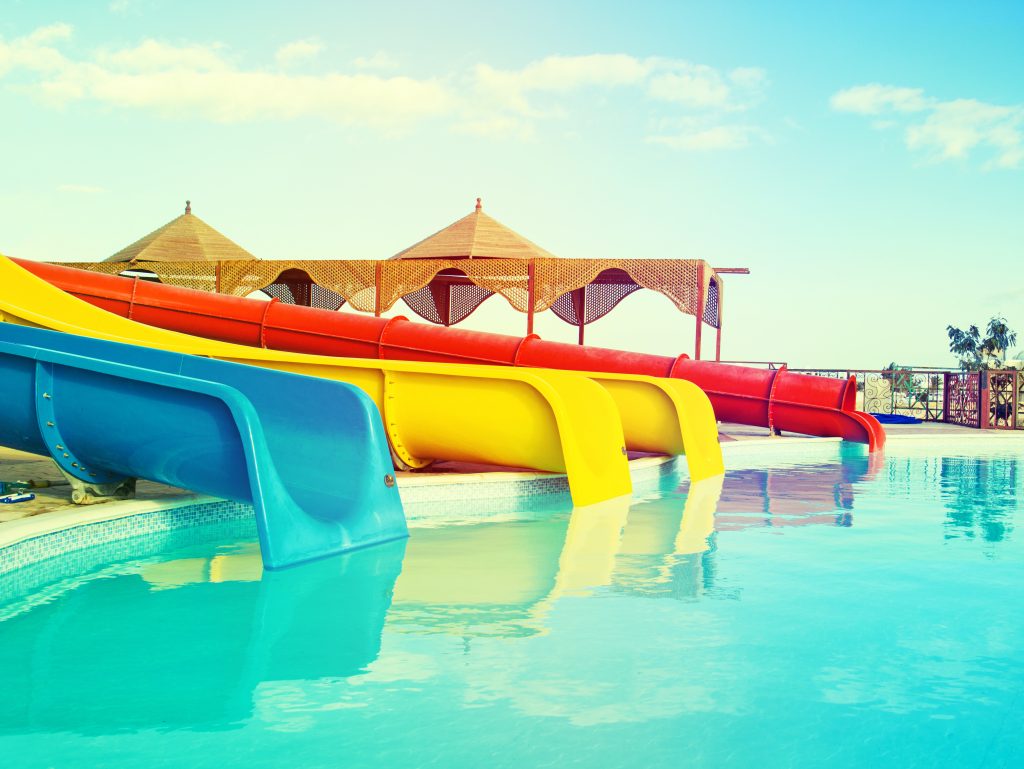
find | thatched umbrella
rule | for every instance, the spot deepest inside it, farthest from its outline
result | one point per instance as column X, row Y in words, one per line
column 475, row 235
column 184, row 239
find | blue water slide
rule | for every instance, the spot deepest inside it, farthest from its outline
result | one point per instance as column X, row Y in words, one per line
column 309, row 454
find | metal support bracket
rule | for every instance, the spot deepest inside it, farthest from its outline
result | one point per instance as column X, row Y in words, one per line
column 88, row 486
column 87, row 493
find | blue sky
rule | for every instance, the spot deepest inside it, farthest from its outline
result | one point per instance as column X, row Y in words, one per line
column 865, row 160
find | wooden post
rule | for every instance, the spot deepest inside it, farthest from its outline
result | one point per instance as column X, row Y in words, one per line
column 531, row 294
column 984, row 401
column 376, row 292
column 945, row 396
column 1016, row 399
column 700, row 311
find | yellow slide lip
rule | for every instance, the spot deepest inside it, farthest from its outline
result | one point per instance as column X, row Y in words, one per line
column 681, row 410
column 581, row 429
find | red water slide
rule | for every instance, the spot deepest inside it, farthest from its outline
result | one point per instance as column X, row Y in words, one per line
column 777, row 398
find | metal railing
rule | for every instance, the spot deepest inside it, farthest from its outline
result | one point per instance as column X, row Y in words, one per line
column 991, row 399
column 768, row 364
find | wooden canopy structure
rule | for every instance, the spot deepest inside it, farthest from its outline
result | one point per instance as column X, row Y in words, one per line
column 443, row 278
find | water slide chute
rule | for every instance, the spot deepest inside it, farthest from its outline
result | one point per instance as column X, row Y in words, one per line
column 107, row 412
column 779, row 399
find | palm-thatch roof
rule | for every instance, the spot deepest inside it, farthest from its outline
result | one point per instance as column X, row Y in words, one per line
column 475, row 235
column 184, row 239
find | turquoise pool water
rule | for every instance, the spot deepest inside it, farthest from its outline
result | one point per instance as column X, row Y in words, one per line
column 833, row 612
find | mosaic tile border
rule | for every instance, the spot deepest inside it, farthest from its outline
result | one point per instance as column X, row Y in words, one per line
column 86, row 536
column 48, row 557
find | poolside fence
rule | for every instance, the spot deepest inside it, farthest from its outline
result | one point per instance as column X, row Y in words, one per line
column 986, row 400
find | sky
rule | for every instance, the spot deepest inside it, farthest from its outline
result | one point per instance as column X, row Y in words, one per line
column 864, row 159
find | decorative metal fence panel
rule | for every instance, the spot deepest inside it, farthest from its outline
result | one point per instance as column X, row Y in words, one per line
column 1006, row 400
column 906, row 392
column 993, row 399
column 963, row 399
column 919, row 394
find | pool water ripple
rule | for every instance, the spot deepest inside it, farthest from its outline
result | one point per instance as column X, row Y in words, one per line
column 839, row 611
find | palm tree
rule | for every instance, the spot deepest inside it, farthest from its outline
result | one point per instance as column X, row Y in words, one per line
column 977, row 353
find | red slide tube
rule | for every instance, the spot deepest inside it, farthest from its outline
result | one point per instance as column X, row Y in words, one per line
column 777, row 399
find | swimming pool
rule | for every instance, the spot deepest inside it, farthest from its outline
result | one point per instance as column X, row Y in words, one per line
column 816, row 610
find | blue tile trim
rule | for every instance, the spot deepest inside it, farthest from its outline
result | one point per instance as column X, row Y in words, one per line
column 86, row 537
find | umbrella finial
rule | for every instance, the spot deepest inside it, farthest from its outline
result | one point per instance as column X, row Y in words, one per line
column 188, row 206
column 479, row 205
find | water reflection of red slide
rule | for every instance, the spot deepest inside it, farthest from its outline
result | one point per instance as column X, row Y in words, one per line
column 804, row 495
column 778, row 398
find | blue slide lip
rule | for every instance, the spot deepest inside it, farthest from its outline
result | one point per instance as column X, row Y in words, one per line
column 309, row 454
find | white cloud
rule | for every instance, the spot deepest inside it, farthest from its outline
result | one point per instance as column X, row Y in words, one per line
column 49, row 34
column 509, row 89
column 151, row 56
column 696, row 86
column 299, row 50
column 233, row 96
column 199, row 81
column 955, row 128
column 206, row 81
column 564, row 73
column 380, row 61
column 942, row 130
column 34, row 52
column 721, row 137
column 749, row 78
column 874, row 99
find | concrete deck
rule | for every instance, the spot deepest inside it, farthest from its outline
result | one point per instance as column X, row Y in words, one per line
column 19, row 466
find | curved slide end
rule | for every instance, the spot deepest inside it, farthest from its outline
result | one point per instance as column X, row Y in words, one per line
column 811, row 419
column 873, row 434
column 331, row 482
column 667, row 416
column 699, row 428
column 590, row 430
column 316, row 482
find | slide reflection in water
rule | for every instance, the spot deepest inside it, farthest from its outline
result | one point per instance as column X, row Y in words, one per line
column 95, row 658
column 124, row 653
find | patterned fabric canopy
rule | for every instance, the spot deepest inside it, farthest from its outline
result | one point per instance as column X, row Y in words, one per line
column 443, row 278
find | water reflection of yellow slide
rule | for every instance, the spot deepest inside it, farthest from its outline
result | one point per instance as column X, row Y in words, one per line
column 503, row 578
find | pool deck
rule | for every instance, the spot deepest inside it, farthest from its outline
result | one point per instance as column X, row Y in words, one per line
column 17, row 465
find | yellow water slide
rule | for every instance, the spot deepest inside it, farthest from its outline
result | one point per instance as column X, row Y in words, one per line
column 547, row 420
